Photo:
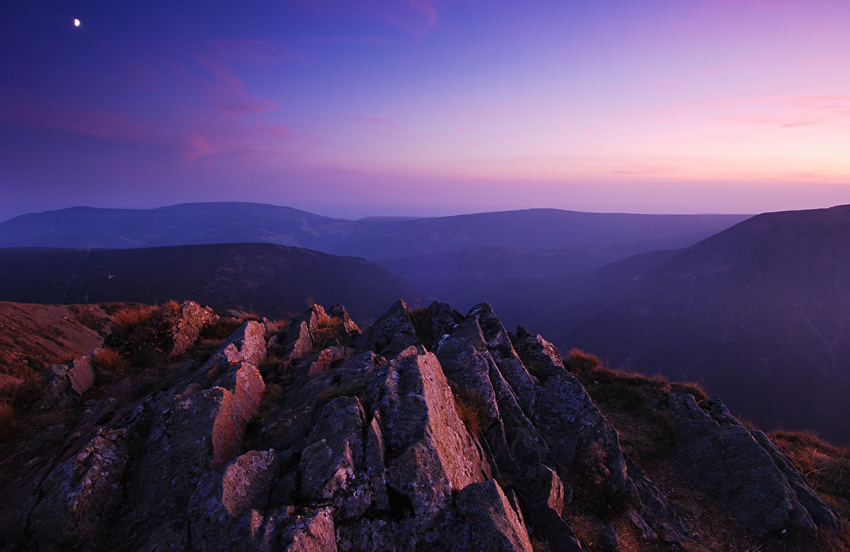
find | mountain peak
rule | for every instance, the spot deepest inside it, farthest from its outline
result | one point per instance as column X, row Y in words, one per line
column 429, row 429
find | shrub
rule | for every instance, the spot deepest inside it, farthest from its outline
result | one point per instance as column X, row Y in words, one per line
column 129, row 319
column 109, row 361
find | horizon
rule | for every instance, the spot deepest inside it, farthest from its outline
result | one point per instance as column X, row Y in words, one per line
column 390, row 216
column 427, row 107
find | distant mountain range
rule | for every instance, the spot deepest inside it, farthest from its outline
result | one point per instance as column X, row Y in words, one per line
column 759, row 312
column 270, row 280
column 372, row 238
column 756, row 308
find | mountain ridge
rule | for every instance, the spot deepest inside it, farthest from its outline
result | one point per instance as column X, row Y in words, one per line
column 428, row 430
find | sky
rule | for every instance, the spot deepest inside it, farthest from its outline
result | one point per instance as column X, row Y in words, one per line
column 356, row 108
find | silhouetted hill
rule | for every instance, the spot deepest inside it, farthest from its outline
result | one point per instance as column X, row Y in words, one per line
column 759, row 312
column 268, row 279
column 531, row 229
column 372, row 238
column 185, row 224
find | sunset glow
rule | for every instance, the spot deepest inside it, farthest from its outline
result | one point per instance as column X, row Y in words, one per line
column 429, row 107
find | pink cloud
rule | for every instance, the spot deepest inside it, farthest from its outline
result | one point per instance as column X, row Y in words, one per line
column 227, row 90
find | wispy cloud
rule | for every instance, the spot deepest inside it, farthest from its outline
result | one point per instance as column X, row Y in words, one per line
column 197, row 137
column 641, row 168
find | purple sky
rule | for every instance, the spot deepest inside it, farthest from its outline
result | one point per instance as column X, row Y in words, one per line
column 419, row 107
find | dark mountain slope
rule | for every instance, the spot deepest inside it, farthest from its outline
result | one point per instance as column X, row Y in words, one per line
column 760, row 312
column 532, row 229
column 268, row 279
column 185, row 224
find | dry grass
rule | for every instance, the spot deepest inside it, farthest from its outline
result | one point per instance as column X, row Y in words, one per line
column 827, row 470
column 470, row 407
column 109, row 361
column 691, row 387
column 582, row 364
column 329, row 331
column 129, row 319
column 19, row 371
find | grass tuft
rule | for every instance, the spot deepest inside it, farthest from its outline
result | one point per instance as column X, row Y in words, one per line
column 127, row 320
column 109, row 361
column 470, row 407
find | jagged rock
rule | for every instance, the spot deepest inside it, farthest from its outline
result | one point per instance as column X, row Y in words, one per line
column 297, row 341
column 247, row 344
column 63, row 384
column 55, row 386
column 79, row 494
column 469, row 365
column 822, row 514
column 722, row 459
column 355, row 452
column 333, row 450
column 430, row 452
column 237, row 407
column 501, row 349
column 223, row 509
column 312, row 534
column 368, row 535
column 392, row 333
column 376, row 463
column 434, row 323
column 483, row 519
column 577, row 433
column 197, row 431
column 314, row 330
column 543, row 496
column 656, row 512
column 327, row 358
column 190, row 321
column 81, row 375
column 339, row 312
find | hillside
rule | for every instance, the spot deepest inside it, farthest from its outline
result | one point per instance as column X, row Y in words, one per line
column 372, row 238
column 429, row 430
column 270, row 280
column 759, row 312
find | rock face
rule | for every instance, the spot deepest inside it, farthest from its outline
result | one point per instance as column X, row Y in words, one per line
column 431, row 430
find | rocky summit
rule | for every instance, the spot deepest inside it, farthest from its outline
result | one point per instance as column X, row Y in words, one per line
column 428, row 430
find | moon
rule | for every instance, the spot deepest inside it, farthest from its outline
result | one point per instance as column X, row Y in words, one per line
column 76, row 22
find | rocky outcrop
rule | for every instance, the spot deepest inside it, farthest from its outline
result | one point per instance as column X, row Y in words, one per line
column 168, row 333
column 431, row 430
column 727, row 462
